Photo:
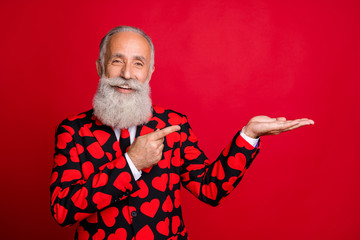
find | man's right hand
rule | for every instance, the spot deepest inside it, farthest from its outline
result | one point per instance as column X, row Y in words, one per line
column 146, row 150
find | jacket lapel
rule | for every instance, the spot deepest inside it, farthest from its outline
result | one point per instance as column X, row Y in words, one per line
column 153, row 124
column 105, row 137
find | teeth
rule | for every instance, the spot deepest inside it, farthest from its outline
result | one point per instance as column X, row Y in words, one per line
column 125, row 86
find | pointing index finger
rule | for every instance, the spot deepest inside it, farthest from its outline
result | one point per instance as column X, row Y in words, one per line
column 166, row 131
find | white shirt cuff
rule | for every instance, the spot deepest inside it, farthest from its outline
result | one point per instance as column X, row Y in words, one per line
column 252, row 141
column 136, row 173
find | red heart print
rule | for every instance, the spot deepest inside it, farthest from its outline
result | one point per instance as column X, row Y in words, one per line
column 174, row 179
column 93, row 218
column 175, row 160
column 102, row 199
column 64, row 193
column 183, row 136
column 175, row 224
column 145, row 234
column 192, row 137
column 119, row 234
column 87, row 169
column 229, row 185
column 60, row 213
column 160, row 123
column 167, row 205
column 53, row 177
column 145, row 130
column 218, row 171
column 159, row 109
column 99, row 235
column 226, row 150
column 177, row 200
column 81, row 216
column 71, row 175
column 191, row 153
column 174, row 119
column 193, row 167
column 210, row 190
column 100, row 180
column 147, row 170
column 241, row 142
column 194, row 187
column 79, row 198
column 60, row 160
column 238, row 162
column 165, row 163
column 85, row 131
column 160, row 182
column 74, row 157
column 97, row 122
column 172, row 138
column 80, row 116
column 108, row 216
column 163, row 227
column 55, row 194
column 69, row 129
column 143, row 190
column 95, row 150
column 82, row 234
column 79, row 148
column 109, row 156
column 150, row 208
column 126, row 213
column 63, row 139
column 116, row 147
column 101, row 136
column 122, row 182
column 120, row 162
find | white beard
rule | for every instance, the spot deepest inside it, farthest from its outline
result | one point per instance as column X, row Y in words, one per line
column 122, row 110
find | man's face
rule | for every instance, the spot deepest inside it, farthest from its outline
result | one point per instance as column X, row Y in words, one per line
column 128, row 55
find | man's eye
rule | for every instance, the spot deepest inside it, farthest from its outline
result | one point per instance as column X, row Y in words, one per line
column 139, row 64
column 116, row 61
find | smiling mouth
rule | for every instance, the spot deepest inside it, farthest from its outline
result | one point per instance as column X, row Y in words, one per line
column 124, row 89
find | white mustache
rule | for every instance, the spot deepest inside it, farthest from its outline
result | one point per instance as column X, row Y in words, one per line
column 121, row 82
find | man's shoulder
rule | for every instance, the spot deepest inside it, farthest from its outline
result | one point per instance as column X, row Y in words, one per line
column 79, row 120
column 169, row 115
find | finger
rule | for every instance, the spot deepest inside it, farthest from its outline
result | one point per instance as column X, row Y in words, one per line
column 158, row 141
column 300, row 124
column 165, row 131
column 281, row 119
column 306, row 120
column 280, row 126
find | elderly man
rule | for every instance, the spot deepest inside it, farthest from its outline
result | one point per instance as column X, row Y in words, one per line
column 118, row 167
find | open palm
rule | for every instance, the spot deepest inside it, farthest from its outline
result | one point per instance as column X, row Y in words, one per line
column 263, row 125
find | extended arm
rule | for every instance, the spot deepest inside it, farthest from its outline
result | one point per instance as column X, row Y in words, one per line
column 212, row 182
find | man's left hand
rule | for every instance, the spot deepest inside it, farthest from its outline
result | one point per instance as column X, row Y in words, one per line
column 262, row 125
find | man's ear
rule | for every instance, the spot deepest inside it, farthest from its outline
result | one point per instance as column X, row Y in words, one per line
column 99, row 68
column 151, row 72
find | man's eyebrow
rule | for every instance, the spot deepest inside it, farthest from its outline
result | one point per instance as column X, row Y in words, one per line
column 119, row 55
column 141, row 58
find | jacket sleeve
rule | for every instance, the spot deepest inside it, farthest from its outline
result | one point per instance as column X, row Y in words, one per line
column 75, row 197
column 212, row 182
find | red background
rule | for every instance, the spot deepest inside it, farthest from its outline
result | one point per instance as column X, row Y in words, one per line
column 219, row 62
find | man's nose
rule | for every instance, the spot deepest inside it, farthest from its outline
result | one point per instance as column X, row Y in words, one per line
column 126, row 71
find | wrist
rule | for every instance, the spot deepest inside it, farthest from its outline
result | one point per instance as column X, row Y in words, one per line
column 249, row 133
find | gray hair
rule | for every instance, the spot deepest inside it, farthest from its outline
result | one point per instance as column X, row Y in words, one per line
column 118, row 29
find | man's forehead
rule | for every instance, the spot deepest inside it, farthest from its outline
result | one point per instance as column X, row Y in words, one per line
column 129, row 41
